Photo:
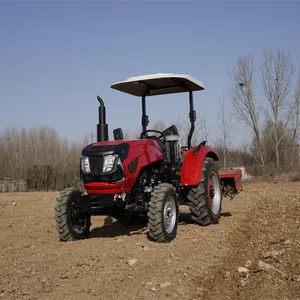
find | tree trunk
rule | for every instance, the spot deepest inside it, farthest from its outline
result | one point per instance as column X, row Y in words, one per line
column 277, row 158
column 261, row 155
column 224, row 158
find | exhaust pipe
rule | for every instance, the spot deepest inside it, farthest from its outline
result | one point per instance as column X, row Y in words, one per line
column 102, row 127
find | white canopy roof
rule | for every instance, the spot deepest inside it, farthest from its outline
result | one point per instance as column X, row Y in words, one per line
column 158, row 84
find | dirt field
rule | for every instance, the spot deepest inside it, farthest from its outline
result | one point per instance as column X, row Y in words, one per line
column 120, row 263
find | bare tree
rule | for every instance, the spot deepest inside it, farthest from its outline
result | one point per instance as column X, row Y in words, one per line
column 39, row 157
column 158, row 125
column 201, row 132
column 225, row 126
column 89, row 138
column 204, row 129
column 132, row 135
column 243, row 98
column 276, row 72
column 127, row 135
column 296, row 121
column 296, row 110
column 245, row 150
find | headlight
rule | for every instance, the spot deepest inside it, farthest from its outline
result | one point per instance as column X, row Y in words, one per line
column 109, row 162
column 85, row 165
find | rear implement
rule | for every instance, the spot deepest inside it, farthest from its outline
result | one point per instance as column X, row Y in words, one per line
column 231, row 182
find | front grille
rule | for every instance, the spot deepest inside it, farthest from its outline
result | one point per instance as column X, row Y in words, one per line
column 96, row 164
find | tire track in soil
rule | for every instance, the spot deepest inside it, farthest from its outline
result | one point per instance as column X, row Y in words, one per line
column 273, row 224
column 193, row 266
column 37, row 266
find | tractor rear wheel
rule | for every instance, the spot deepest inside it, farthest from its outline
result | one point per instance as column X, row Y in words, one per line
column 205, row 200
column 71, row 223
column 163, row 214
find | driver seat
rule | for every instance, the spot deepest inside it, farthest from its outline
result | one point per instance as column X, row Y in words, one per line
column 169, row 131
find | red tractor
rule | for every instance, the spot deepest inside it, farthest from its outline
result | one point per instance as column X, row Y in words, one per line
column 150, row 176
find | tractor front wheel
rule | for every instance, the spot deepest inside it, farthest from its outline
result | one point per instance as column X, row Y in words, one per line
column 71, row 222
column 205, row 200
column 163, row 214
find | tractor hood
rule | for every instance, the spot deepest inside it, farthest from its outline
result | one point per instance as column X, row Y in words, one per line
column 106, row 148
column 120, row 147
column 116, row 161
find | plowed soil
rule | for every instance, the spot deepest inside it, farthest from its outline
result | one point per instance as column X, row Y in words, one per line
column 119, row 262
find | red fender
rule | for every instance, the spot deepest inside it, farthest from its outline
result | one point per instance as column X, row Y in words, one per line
column 192, row 165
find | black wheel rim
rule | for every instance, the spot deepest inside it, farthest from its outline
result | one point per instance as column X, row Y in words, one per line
column 77, row 219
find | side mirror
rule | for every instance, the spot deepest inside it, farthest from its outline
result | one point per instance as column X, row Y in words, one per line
column 118, row 134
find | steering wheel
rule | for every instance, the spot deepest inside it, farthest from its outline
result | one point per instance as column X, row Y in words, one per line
column 144, row 134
